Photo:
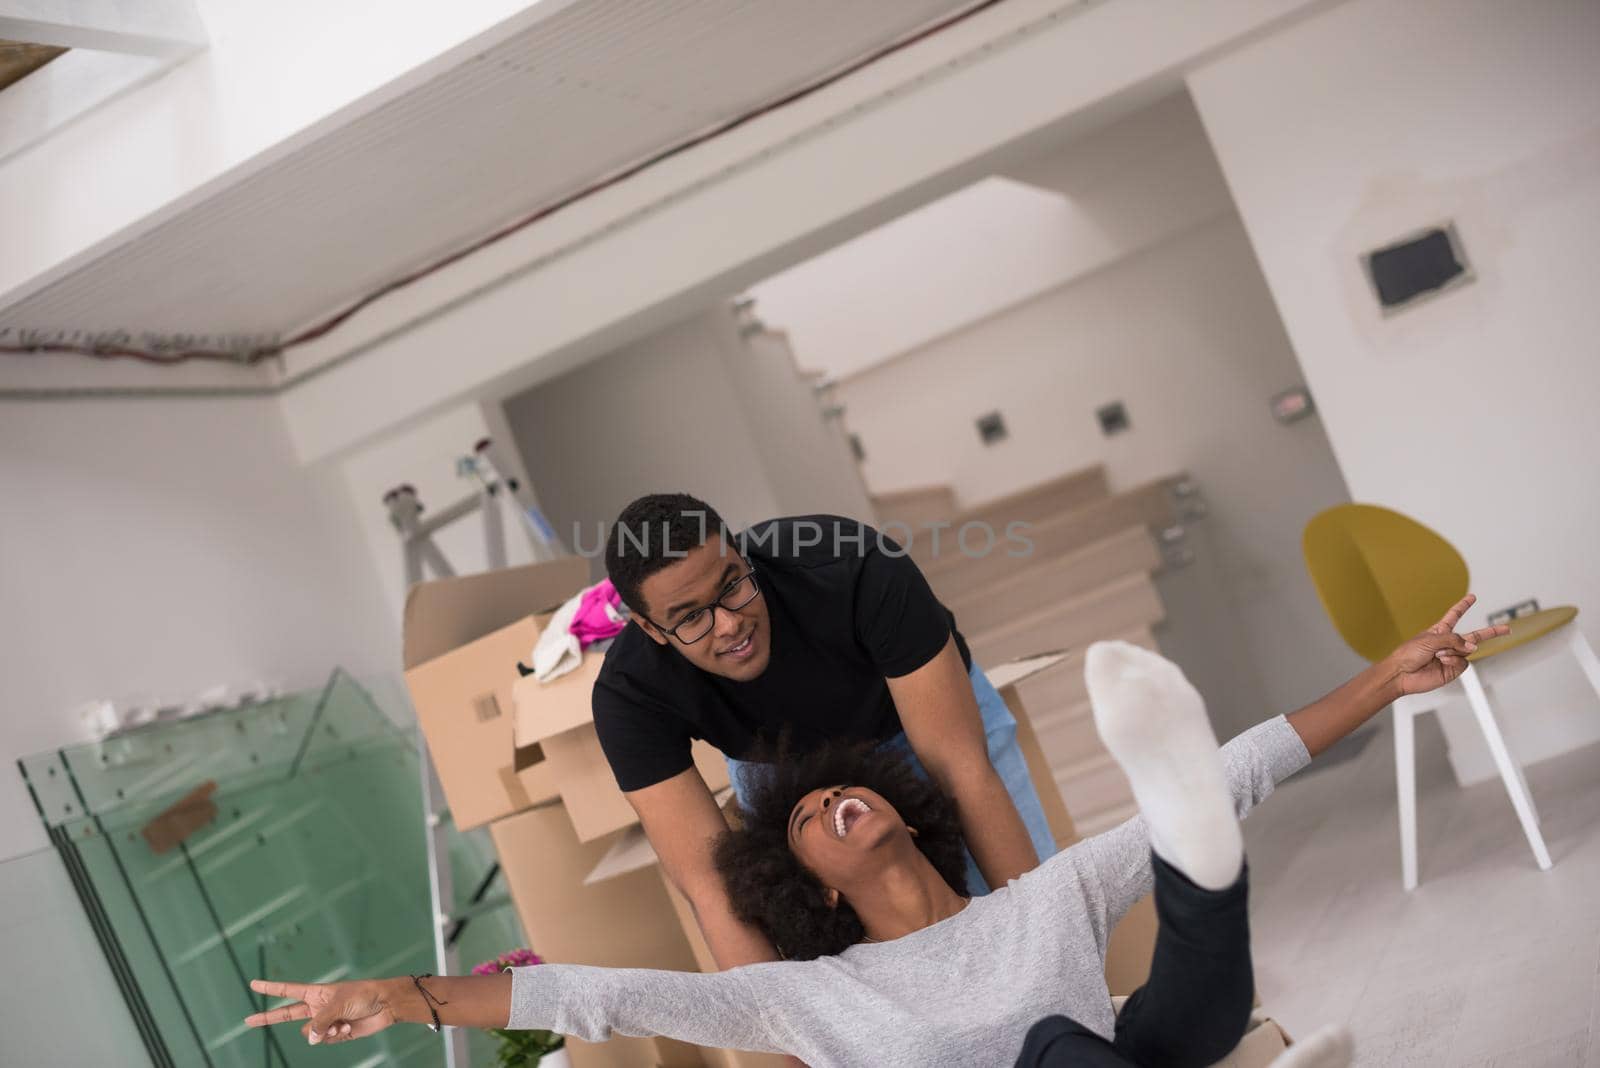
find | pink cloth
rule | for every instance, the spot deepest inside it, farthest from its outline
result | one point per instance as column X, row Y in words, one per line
column 599, row 615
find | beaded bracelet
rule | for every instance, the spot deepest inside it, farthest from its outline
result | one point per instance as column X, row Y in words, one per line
column 429, row 1000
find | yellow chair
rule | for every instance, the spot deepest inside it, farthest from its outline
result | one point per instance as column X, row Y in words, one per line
column 1384, row 578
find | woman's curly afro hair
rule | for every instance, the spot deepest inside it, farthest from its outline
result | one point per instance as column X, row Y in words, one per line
column 768, row 886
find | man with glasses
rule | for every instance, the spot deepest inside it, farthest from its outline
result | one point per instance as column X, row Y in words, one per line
column 811, row 629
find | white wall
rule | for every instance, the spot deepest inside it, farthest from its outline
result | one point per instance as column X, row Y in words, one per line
column 69, row 1012
column 660, row 415
column 1063, row 211
column 806, row 456
column 976, row 251
column 692, row 408
column 1475, row 412
column 1186, row 337
column 161, row 548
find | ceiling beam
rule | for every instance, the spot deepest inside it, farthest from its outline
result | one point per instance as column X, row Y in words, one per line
column 159, row 28
column 18, row 59
column 749, row 203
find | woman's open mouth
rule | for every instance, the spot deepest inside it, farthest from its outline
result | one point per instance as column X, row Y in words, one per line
column 846, row 813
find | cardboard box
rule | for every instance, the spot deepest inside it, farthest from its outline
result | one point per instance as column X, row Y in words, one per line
column 624, row 922
column 464, row 706
column 1005, row 679
column 555, row 724
column 714, row 1058
column 462, row 639
column 634, row 919
column 631, row 850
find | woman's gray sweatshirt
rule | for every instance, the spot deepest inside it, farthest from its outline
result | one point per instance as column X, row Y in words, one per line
column 963, row 991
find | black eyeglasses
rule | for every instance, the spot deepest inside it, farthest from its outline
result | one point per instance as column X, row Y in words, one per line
column 698, row 623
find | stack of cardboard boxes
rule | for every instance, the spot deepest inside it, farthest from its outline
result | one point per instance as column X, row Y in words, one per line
column 522, row 757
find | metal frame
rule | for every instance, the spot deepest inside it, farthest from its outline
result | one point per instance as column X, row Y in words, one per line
column 419, row 553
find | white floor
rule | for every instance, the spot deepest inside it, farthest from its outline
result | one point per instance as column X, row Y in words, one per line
column 1488, row 962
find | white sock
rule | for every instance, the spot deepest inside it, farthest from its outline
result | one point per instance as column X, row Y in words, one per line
column 1328, row 1047
column 1155, row 724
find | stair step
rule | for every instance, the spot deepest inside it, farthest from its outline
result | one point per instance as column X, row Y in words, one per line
column 1085, row 767
column 1069, row 737
column 918, row 505
column 1041, row 500
column 1094, row 823
column 1092, row 786
column 1050, row 692
column 1056, row 579
column 954, row 575
column 914, row 507
column 1118, row 606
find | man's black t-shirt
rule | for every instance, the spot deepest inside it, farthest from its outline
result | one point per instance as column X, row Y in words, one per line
column 847, row 612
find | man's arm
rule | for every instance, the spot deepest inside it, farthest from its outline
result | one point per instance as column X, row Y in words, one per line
column 682, row 821
column 940, row 715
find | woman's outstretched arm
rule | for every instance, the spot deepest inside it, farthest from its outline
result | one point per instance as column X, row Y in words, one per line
column 719, row 1009
column 338, row 1012
column 1113, row 868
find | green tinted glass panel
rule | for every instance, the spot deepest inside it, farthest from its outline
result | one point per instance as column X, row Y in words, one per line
column 306, row 860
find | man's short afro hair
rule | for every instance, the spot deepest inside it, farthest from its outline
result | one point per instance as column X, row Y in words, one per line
column 652, row 533
column 773, row 892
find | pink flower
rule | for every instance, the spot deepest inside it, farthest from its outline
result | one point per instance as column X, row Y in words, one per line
column 516, row 958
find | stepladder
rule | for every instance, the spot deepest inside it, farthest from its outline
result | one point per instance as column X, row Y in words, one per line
column 493, row 492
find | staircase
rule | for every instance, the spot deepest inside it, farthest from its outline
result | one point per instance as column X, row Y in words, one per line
column 1088, row 576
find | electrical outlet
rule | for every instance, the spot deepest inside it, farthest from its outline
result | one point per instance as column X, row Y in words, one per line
column 1292, row 405
column 1113, row 418
column 1417, row 267
column 1516, row 611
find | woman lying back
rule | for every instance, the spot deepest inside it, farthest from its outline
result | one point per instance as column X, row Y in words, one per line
column 852, row 865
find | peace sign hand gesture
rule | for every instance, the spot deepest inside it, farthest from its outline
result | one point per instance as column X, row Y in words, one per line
column 1439, row 655
column 334, row 1012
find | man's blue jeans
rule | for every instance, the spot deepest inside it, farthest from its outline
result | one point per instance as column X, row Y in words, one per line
column 1000, row 727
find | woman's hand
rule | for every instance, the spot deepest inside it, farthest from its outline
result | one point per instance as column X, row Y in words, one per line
column 1436, row 656
column 1439, row 655
column 334, row 1012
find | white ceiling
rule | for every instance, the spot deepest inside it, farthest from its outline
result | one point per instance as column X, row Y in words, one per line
column 600, row 85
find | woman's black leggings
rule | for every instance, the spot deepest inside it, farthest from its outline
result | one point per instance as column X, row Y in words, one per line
column 1196, row 1004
